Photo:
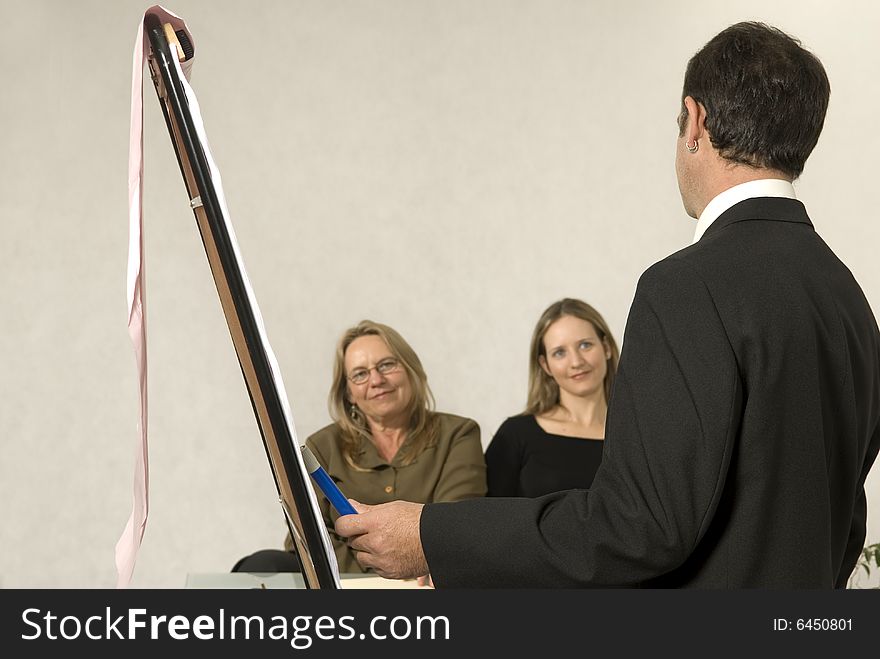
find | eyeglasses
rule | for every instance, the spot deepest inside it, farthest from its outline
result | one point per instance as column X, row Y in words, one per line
column 383, row 368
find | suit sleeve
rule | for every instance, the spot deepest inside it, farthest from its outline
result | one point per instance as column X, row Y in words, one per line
column 503, row 463
column 669, row 435
column 858, row 526
column 464, row 470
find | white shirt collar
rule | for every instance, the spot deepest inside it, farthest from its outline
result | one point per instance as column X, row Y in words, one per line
column 766, row 187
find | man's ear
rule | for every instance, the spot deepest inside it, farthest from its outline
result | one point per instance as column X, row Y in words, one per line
column 695, row 121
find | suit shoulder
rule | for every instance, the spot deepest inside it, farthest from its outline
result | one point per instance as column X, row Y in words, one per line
column 453, row 423
column 675, row 267
column 325, row 439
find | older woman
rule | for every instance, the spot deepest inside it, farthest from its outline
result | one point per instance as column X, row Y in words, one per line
column 556, row 444
column 386, row 441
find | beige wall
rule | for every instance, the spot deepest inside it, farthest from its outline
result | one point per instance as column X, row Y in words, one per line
column 447, row 167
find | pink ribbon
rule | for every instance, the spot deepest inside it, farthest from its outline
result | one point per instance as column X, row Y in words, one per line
column 130, row 540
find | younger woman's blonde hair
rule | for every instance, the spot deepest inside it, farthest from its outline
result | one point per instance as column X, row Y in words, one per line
column 543, row 390
column 423, row 423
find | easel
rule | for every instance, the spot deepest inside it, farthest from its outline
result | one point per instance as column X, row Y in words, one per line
column 168, row 46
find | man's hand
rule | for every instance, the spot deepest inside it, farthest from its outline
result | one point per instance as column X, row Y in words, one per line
column 386, row 538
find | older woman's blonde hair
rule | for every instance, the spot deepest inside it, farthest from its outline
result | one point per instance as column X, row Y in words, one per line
column 543, row 390
column 422, row 431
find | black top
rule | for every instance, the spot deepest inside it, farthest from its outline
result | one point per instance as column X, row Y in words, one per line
column 524, row 460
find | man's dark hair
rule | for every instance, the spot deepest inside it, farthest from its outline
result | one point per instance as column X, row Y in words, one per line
column 765, row 96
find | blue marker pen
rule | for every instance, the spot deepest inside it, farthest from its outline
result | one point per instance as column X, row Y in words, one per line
column 328, row 487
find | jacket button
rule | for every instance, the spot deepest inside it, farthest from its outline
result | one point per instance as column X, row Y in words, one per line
column 389, row 489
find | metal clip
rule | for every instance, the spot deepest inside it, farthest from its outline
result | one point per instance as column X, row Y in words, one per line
column 173, row 42
column 157, row 79
column 196, row 203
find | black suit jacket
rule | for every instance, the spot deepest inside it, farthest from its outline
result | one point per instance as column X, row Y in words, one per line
column 743, row 422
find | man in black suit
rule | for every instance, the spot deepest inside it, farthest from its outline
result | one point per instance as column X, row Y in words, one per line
column 746, row 411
